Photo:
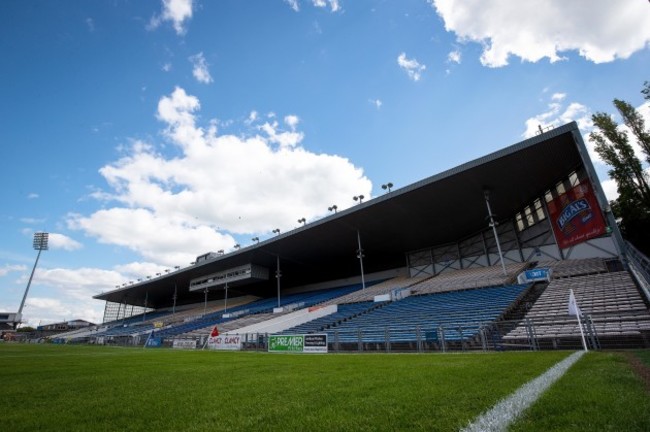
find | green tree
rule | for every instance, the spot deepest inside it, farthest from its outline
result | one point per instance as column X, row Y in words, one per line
column 632, row 206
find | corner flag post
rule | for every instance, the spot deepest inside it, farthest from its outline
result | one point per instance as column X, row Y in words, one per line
column 575, row 310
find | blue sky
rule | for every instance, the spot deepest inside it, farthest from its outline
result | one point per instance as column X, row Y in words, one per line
column 143, row 133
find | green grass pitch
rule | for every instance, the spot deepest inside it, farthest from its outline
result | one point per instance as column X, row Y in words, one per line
column 85, row 388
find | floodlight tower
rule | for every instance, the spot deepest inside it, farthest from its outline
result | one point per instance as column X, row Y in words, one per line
column 40, row 244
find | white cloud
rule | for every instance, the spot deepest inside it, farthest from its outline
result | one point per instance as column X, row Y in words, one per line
column 175, row 11
column 166, row 67
column 293, row 4
column 140, row 270
column 292, row 121
column 8, row 268
column 33, row 196
column 200, row 68
column 601, row 31
column 175, row 208
column 252, row 117
column 376, row 102
column 610, row 188
column 334, row 5
column 70, row 291
column 557, row 114
column 454, row 56
column 558, row 97
column 60, row 241
column 46, row 310
column 168, row 239
column 412, row 67
column 90, row 24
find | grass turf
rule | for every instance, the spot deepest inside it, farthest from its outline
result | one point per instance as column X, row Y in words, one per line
column 600, row 393
column 83, row 388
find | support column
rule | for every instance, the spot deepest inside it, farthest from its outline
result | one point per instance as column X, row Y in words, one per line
column 175, row 297
column 225, row 305
column 360, row 256
column 493, row 224
column 278, row 275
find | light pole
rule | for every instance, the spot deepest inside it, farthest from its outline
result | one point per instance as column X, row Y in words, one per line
column 388, row 186
column 333, row 208
column 494, row 224
column 303, row 221
column 358, row 198
column 237, row 246
column 256, row 239
column 40, row 244
column 276, row 231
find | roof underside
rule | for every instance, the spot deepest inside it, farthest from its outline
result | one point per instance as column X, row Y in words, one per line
column 444, row 208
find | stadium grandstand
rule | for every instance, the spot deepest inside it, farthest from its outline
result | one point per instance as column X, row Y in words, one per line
column 481, row 256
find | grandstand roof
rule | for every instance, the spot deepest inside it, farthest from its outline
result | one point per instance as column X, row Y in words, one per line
column 441, row 209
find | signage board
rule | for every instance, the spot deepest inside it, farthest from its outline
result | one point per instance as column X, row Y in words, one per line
column 576, row 216
column 184, row 344
column 311, row 343
column 225, row 342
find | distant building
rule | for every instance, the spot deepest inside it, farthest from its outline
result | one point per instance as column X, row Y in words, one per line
column 65, row 326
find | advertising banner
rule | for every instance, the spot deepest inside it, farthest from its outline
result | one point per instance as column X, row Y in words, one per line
column 576, row 216
column 225, row 343
column 184, row 344
column 154, row 342
column 298, row 343
column 315, row 343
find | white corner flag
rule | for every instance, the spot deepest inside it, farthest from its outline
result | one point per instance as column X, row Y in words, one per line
column 575, row 310
column 573, row 305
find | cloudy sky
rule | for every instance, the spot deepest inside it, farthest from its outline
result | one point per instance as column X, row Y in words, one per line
column 144, row 133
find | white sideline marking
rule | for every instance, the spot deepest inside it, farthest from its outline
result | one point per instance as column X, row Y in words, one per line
column 505, row 412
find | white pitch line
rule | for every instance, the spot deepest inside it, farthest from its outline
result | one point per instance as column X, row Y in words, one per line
column 505, row 412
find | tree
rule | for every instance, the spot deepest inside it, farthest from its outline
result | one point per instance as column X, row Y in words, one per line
column 632, row 206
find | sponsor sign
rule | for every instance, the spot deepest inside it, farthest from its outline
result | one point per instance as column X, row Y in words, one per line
column 154, row 342
column 158, row 324
column 184, row 344
column 298, row 343
column 315, row 343
column 576, row 216
column 225, row 343
column 535, row 275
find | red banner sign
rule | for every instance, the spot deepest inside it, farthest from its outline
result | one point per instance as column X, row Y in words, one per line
column 576, row 216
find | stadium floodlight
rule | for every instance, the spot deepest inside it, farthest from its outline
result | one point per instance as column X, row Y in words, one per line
column 388, row 186
column 358, row 198
column 256, row 239
column 493, row 224
column 276, row 231
column 177, row 267
column 157, row 274
column 139, row 279
column 303, row 221
column 333, row 208
column 237, row 246
column 148, row 277
column 166, row 270
column 220, row 252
